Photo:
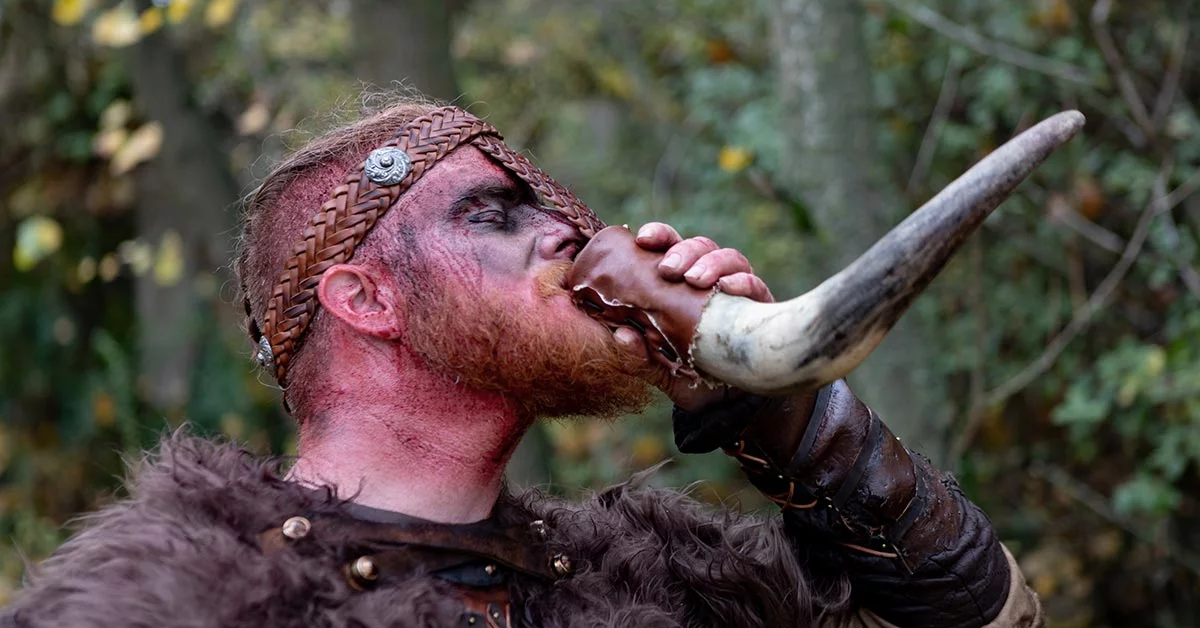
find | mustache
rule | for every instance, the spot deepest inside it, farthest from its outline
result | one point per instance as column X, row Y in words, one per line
column 552, row 281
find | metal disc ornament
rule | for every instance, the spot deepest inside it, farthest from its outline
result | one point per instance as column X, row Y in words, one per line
column 387, row 165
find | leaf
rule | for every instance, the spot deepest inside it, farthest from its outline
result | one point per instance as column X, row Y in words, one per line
column 178, row 10
column 109, row 141
column 117, row 27
column 142, row 145
column 38, row 237
column 69, row 12
column 116, row 114
column 168, row 264
column 86, row 271
column 734, row 158
column 219, row 12
column 1145, row 494
column 254, row 119
column 150, row 20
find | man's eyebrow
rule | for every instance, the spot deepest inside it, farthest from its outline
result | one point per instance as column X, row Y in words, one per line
column 507, row 191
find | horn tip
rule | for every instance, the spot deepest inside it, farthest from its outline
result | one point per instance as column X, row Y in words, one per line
column 1069, row 121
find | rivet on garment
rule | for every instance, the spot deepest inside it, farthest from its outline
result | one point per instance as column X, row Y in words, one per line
column 561, row 564
column 365, row 569
column 296, row 528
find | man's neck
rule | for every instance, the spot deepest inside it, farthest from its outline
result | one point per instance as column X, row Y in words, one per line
column 417, row 444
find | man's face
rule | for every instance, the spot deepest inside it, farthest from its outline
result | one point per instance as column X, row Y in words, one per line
column 486, row 299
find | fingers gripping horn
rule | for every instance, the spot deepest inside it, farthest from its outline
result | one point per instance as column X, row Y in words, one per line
column 820, row 336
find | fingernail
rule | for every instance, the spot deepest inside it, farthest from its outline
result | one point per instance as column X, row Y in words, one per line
column 644, row 232
column 672, row 262
column 695, row 272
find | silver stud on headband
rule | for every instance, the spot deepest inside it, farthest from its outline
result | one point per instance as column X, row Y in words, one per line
column 387, row 165
column 265, row 356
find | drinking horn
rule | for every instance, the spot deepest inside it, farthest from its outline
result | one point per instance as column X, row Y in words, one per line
column 822, row 335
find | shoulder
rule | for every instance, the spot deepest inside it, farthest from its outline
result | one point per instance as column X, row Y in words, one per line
column 636, row 547
column 184, row 536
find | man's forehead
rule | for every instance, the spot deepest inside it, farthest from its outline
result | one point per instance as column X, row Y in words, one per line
column 458, row 173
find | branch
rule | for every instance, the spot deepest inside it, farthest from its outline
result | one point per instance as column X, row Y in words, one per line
column 1180, row 194
column 933, row 131
column 1098, row 503
column 1113, row 243
column 1171, row 249
column 1094, row 233
column 1083, row 317
column 992, row 48
column 1166, row 96
column 1100, row 12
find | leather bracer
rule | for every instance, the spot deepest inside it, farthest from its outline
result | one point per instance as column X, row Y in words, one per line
column 899, row 528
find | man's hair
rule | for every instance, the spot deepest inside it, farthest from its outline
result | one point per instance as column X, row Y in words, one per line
column 276, row 213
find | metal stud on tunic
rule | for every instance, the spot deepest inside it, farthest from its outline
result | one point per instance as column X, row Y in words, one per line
column 365, row 569
column 296, row 528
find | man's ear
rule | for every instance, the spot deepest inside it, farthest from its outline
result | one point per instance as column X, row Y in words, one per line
column 352, row 294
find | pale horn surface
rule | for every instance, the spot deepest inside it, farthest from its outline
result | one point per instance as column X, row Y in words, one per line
column 820, row 336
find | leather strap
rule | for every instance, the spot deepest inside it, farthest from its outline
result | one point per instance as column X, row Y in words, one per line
column 422, row 547
column 860, row 462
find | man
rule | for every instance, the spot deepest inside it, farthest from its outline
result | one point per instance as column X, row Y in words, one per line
column 406, row 279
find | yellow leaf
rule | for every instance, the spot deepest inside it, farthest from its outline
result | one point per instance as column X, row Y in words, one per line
column 116, row 114
column 219, row 12
column 109, row 268
column 1156, row 361
column 86, row 270
column 254, row 119
column 168, row 264
column 178, row 10
column 615, row 80
column 38, row 237
column 150, row 20
column 69, row 12
column 104, row 409
column 117, row 27
column 142, row 145
column 233, row 425
column 107, row 142
column 520, row 52
column 734, row 158
column 647, row 450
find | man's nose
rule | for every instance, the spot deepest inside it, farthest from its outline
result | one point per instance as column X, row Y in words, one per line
column 558, row 240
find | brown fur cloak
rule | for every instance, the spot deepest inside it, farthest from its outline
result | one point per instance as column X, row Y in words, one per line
column 182, row 551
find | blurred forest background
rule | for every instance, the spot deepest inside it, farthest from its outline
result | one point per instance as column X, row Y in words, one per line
column 1055, row 365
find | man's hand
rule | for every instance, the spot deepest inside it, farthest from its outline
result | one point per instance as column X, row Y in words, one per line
column 703, row 265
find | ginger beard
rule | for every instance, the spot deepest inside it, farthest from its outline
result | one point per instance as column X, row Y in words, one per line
column 547, row 360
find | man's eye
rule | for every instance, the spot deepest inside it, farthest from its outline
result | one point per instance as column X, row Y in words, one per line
column 491, row 215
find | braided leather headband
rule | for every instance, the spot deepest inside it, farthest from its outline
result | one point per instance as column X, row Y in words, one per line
column 366, row 193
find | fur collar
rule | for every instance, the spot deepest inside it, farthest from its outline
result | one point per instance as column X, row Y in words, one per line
column 182, row 551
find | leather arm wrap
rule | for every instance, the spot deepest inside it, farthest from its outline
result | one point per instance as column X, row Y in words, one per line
column 912, row 544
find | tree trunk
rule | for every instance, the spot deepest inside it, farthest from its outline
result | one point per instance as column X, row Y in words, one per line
column 830, row 158
column 407, row 42
column 188, row 191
